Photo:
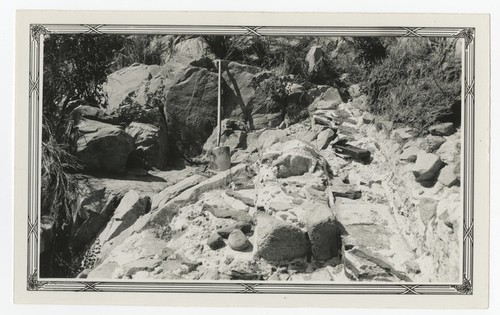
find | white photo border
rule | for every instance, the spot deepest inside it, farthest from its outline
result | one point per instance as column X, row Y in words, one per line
column 34, row 283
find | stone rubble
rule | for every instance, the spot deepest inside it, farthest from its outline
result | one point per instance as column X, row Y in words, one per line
column 292, row 208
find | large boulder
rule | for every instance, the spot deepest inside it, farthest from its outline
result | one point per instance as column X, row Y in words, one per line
column 103, row 147
column 279, row 241
column 146, row 145
column 191, row 109
column 124, row 82
column 244, row 96
column 323, row 229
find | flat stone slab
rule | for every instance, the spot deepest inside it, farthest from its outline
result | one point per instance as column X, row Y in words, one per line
column 372, row 234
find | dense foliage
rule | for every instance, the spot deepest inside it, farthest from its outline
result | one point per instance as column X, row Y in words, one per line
column 417, row 84
column 75, row 68
column 143, row 49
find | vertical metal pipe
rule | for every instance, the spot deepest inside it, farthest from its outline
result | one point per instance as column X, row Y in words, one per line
column 219, row 104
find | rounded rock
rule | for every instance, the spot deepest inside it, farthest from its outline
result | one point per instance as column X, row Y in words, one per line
column 238, row 241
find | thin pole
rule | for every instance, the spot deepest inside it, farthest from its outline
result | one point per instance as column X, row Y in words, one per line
column 218, row 105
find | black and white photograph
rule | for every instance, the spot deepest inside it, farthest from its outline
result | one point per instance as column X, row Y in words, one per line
column 270, row 158
column 217, row 158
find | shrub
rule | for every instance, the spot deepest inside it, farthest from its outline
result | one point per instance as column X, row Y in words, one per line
column 75, row 68
column 417, row 84
column 144, row 49
column 59, row 192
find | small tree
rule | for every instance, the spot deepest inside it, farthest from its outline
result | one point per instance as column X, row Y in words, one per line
column 75, row 68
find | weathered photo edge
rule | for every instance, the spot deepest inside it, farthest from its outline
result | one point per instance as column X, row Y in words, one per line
column 480, row 23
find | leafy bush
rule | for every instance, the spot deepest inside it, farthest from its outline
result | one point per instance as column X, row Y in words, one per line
column 59, row 192
column 417, row 84
column 144, row 49
column 75, row 68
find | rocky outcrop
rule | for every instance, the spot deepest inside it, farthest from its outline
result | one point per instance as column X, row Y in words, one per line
column 103, row 147
column 131, row 207
column 195, row 48
column 122, row 83
column 191, row 109
column 169, row 209
column 291, row 186
column 291, row 207
column 160, row 199
column 243, row 98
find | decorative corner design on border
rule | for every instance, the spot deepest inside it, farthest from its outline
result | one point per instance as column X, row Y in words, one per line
column 37, row 30
column 468, row 34
column 34, row 284
column 465, row 288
